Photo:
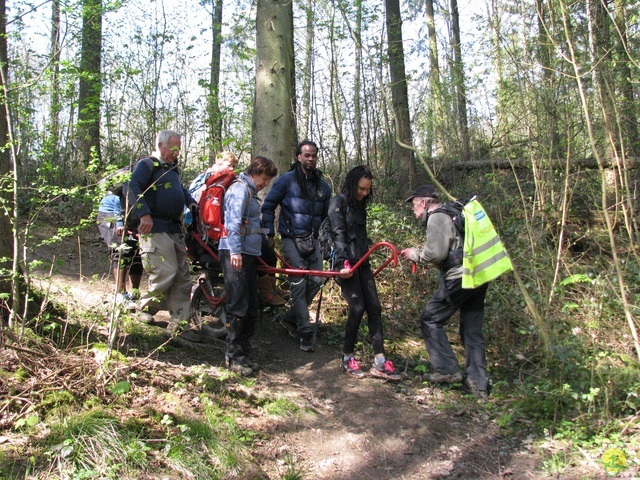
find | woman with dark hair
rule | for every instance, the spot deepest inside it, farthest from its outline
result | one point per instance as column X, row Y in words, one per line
column 348, row 218
column 239, row 252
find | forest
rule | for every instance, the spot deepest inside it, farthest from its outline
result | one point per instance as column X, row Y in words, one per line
column 532, row 105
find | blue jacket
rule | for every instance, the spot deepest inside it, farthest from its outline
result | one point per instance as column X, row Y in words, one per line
column 110, row 204
column 155, row 188
column 242, row 218
column 300, row 212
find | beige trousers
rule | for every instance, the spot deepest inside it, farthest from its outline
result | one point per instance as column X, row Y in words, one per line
column 164, row 257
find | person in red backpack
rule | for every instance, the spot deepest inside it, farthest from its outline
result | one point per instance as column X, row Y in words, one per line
column 239, row 251
column 223, row 161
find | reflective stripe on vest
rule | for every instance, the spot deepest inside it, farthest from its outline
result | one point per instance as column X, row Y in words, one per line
column 484, row 256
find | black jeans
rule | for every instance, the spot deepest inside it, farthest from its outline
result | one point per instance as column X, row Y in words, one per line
column 242, row 307
column 362, row 296
column 445, row 302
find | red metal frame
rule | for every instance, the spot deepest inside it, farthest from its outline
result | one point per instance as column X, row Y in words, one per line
column 288, row 270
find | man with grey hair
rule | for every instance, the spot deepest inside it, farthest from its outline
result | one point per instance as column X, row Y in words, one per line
column 443, row 247
column 157, row 197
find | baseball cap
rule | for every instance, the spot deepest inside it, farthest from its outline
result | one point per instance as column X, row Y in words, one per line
column 423, row 191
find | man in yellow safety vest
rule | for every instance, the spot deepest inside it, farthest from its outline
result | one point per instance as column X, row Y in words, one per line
column 443, row 247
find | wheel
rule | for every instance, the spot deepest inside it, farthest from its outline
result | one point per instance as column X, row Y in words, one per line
column 207, row 316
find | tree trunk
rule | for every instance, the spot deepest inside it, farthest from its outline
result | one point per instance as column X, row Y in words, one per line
column 436, row 110
column 357, row 84
column 549, row 88
column 6, row 212
column 406, row 170
column 213, row 100
column 337, row 107
column 457, row 73
column 273, row 127
column 629, row 108
column 90, row 88
column 304, row 120
column 53, row 141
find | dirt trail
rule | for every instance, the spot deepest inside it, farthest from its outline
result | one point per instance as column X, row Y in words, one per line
column 348, row 428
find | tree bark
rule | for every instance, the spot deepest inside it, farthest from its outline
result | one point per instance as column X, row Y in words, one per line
column 629, row 108
column 304, row 120
column 6, row 180
column 213, row 95
column 406, row 169
column 273, row 127
column 53, row 141
column 90, row 88
column 436, row 110
column 457, row 73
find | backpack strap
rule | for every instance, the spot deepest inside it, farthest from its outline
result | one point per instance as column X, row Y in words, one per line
column 244, row 230
column 454, row 258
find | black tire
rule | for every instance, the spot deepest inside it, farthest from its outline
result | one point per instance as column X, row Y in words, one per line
column 210, row 320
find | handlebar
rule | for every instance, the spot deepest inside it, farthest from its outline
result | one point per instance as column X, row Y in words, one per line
column 393, row 257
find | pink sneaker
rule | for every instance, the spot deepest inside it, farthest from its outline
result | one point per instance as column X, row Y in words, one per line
column 386, row 371
column 351, row 367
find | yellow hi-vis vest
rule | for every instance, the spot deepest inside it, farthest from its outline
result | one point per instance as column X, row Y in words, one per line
column 484, row 257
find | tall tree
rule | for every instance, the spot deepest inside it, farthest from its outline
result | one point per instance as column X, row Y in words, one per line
column 214, row 116
column 406, row 172
column 53, row 140
column 6, row 181
column 435, row 105
column 90, row 88
column 629, row 108
column 548, row 95
column 273, row 127
column 457, row 74
column 304, row 122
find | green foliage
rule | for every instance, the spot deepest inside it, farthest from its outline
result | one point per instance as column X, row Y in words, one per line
column 92, row 444
column 281, row 407
column 57, row 399
column 120, row 388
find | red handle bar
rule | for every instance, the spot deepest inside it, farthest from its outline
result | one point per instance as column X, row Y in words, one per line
column 393, row 257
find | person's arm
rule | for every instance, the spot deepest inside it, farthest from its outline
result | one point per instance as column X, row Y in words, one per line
column 440, row 234
column 440, row 231
column 189, row 201
column 140, row 179
column 235, row 206
column 337, row 213
column 274, row 198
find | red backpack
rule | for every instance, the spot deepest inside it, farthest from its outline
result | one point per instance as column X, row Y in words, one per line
column 211, row 214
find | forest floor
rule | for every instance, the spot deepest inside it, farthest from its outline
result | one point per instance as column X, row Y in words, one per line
column 345, row 428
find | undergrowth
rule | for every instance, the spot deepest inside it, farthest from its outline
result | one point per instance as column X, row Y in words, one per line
column 580, row 391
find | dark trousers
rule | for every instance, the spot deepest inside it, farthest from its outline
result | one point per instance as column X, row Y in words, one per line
column 445, row 302
column 303, row 288
column 242, row 307
column 362, row 296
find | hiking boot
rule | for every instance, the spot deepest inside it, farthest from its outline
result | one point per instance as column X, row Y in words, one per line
column 175, row 327
column 192, row 335
column 351, row 367
column 386, row 371
column 251, row 363
column 443, row 377
column 239, row 366
column 124, row 300
column 480, row 394
column 306, row 343
column 290, row 327
column 146, row 317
